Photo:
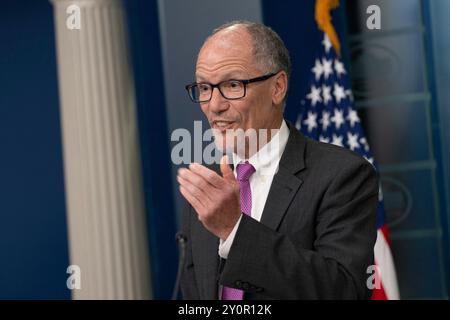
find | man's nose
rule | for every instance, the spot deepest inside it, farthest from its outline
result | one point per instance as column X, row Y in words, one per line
column 218, row 103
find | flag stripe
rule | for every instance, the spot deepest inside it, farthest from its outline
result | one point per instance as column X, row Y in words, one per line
column 385, row 263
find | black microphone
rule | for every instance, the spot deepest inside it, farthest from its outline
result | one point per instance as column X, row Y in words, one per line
column 181, row 239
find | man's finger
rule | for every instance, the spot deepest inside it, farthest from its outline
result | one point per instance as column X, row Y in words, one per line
column 227, row 173
column 208, row 175
column 196, row 179
column 195, row 203
column 201, row 195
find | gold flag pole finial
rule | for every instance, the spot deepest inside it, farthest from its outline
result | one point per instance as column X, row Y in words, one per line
column 323, row 19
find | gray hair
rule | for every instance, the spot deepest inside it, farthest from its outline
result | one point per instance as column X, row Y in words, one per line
column 268, row 49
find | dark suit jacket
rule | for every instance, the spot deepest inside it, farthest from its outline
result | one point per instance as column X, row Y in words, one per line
column 316, row 235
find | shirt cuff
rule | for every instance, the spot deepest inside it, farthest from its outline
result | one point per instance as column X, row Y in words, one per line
column 225, row 246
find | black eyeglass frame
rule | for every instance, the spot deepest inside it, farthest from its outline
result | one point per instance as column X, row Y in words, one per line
column 217, row 85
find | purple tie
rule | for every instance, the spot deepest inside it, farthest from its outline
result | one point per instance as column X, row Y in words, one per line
column 244, row 171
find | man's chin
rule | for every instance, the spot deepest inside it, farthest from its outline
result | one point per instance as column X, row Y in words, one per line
column 222, row 144
column 224, row 140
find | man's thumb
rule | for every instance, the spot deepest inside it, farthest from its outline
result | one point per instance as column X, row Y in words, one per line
column 227, row 173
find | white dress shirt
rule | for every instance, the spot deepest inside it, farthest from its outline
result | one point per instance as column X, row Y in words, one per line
column 265, row 162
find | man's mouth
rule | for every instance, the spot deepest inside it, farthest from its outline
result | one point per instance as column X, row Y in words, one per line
column 222, row 125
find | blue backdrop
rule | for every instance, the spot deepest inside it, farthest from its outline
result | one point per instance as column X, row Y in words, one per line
column 33, row 236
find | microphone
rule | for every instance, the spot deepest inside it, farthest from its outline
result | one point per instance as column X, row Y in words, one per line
column 181, row 239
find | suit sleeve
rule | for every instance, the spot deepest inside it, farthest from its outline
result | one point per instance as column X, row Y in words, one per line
column 275, row 265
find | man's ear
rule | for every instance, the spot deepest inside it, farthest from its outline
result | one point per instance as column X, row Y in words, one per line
column 280, row 86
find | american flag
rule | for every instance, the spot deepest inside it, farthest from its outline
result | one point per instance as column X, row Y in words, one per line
column 327, row 115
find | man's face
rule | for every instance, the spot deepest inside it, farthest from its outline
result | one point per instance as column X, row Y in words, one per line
column 228, row 55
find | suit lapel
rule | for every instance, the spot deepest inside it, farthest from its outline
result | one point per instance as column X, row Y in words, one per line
column 285, row 183
column 282, row 192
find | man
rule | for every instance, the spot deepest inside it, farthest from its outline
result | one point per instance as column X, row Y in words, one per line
column 293, row 220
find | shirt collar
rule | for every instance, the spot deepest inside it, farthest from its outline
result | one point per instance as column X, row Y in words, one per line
column 266, row 160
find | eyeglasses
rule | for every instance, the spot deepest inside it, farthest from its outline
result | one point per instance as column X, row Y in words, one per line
column 229, row 89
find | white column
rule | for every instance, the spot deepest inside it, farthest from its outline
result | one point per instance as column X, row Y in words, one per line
column 104, row 193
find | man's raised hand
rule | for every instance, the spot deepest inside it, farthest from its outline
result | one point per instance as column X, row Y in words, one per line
column 214, row 198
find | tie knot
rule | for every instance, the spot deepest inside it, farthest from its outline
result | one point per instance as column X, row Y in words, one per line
column 244, row 171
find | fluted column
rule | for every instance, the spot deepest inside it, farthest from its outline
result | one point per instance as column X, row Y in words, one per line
column 104, row 194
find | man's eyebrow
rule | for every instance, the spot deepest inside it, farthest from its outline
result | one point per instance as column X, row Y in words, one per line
column 227, row 76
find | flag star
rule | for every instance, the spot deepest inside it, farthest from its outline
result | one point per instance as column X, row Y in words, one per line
column 352, row 117
column 326, row 93
column 339, row 67
column 326, row 43
column 325, row 121
column 318, row 69
column 324, row 139
column 327, row 68
column 311, row 122
column 352, row 141
column 363, row 141
column 349, row 93
column 314, row 96
column 338, row 118
column 338, row 92
column 298, row 123
column 337, row 140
